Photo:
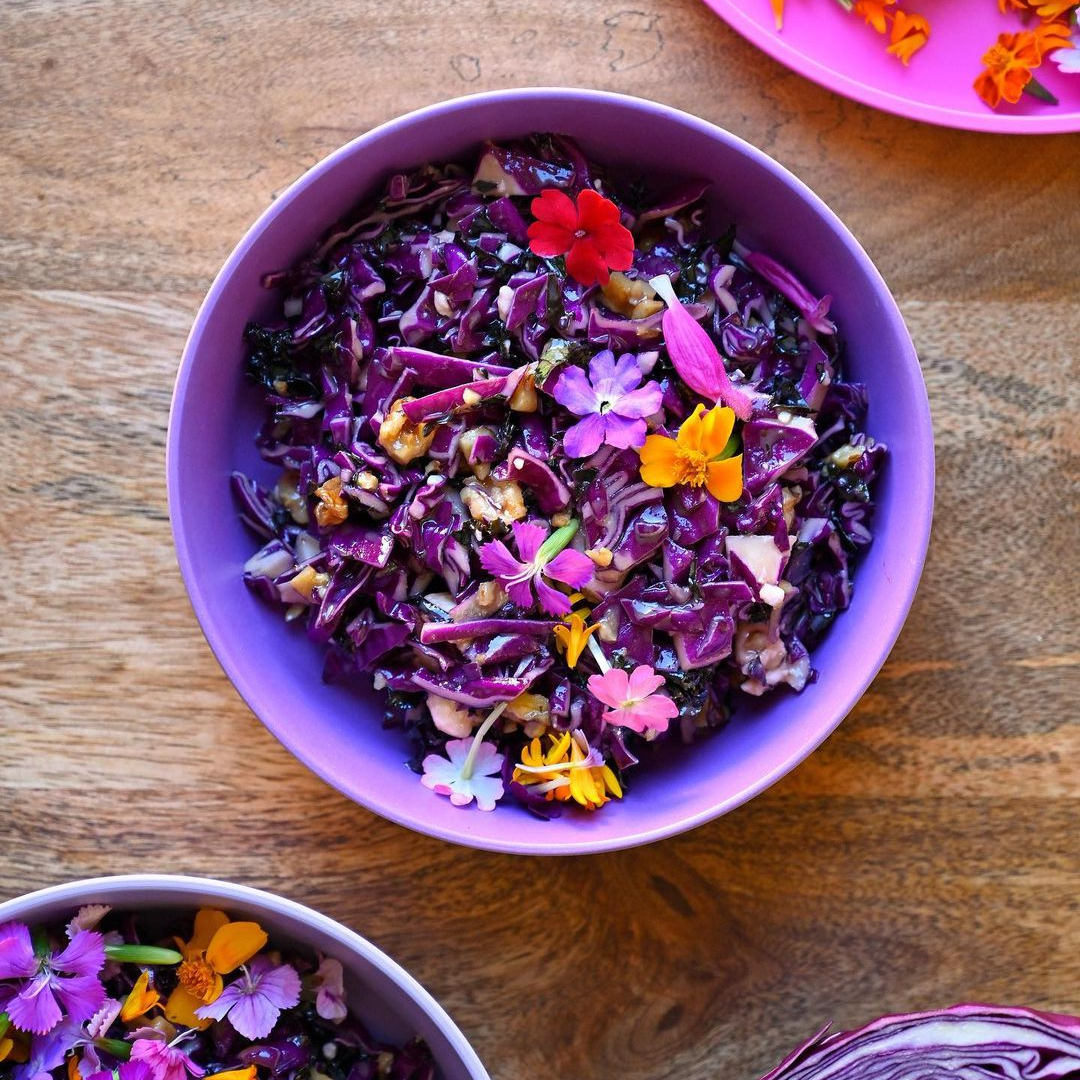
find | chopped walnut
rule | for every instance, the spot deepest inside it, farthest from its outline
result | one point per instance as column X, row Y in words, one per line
column 493, row 501
column 332, row 508
column 632, row 297
column 532, row 711
column 367, row 481
column 307, row 581
column 288, row 494
column 602, row 556
column 524, row 398
column 466, row 445
column 792, row 495
column 488, row 598
column 560, row 519
column 845, row 456
column 401, row 438
column 450, row 717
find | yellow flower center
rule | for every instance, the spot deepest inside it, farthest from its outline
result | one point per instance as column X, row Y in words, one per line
column 691, row 465
column 197, row 978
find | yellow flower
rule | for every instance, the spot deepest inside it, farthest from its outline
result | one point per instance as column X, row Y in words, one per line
column 568, row 770
column 73, row 1064
column 141, row 999
column 694, row 456
column 247, row 1073
column 908, row 35
column 217, row 947
column 573, row 635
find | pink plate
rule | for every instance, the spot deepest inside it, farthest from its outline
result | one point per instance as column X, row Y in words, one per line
column 838, row 51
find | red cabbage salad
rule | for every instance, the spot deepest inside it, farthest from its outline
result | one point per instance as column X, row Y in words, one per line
column 566, row 469
column 150, row 995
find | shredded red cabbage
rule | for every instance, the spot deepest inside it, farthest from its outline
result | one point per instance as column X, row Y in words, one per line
column 409, row 406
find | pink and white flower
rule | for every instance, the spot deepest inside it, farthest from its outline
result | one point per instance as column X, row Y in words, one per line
column 632, row 699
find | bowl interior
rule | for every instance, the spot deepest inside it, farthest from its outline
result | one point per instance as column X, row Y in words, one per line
column 336, row 730
column 393, row 1006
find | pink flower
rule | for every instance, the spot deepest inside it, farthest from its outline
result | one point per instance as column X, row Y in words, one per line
column 612, row 401
column 128, row 1070
column 166, row 1062
column 330, row 992
column 632, row 700
column 52, row 984
column 541, row 556
column 254, row 1001
column 464, row 780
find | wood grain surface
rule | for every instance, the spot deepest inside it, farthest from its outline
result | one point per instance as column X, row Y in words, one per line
column 927, row 853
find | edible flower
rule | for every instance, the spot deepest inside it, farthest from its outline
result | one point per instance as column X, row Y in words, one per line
column 569, row 769
column 141, row 999
column 910, row 32
column 589, row 234
column 1068, row 60
column 874, row 12
column 572, row 637
column 539, row 556
column 694, row 355
column 14, row 1044
column 166, row 1061
column 254, row 1001
column 1047, row 10
column 329, row 984
column 217, row 947
column 633, row 700
column 52, row 984
column 1008, row 68
column 700, row 455
column 127, row 1070
column 612, row 401
column 470, row 772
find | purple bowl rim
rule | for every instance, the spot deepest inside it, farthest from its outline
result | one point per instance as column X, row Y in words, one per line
column 922, row 485
column 279, row 905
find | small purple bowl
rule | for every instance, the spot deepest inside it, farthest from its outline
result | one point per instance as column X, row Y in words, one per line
column 381, row 993
column 336, row 731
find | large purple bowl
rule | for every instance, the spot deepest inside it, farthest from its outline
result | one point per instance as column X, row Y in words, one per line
column 382, row 994
column 336, row 732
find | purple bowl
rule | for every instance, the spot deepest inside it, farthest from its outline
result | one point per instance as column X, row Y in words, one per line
column 336, row 731
column 385, row 997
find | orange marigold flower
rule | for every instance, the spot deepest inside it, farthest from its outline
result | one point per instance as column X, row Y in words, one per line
column 696, row 455
column 873, row 11
column 1051, row 36
column 1008, row 68
column 1047, row 10
column 909, row 34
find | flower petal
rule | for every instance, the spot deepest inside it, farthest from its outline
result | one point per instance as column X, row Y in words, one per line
column 594, row 211
column 584, row 438
column 85, row 954
column 234, row 945
column 573, row 568
column 724, row 479
column 279, row 985
column 716, row 428
column 659, row 461
column 549, row 241
column 16, row 952
column 585, row 264
column 611, row 688
column 556, row 207
column 638, row 404
column 81, row 995
column 573, row 391
column 496, row 559
column 180, row 1009
column 528, row 536
column 643, row 681
column 34, row 1008
column 551, row 600
column 208, row 922
column 691, row 430
column 624, row 433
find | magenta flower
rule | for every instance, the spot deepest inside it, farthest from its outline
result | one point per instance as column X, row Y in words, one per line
column 129, row 1070
column 611, row 400
column 165, row 1061
column 540, row 556
column 254, row 1001
column 52, row 983
column 632, row 700
column 330, row 990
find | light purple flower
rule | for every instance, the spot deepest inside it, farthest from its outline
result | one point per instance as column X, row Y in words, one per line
column 53, row 984
column 47, row 1052
column 165, row 1061
column 484, row 782
column 611, row 400
column 1067, row 60
column 254, row 1001
column 519, row 575
column 330, row 990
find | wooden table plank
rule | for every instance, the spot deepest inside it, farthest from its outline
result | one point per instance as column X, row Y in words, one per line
column 925, row 854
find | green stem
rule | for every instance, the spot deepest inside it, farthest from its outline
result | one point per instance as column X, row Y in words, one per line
column 1037, row 90
column 118, row 1048
column 5, row 1023
column 142, row 954
column 478, row 738
column 555, row 543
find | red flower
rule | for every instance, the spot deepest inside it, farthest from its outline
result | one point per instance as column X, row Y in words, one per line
column 590, row 234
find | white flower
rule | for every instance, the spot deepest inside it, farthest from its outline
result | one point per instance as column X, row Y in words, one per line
column 466, row 776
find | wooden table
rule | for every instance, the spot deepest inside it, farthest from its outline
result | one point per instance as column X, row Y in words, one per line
column 927, row 853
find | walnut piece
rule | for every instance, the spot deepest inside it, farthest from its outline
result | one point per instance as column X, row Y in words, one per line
column 492, row 501
column 401, row 438
column 332, row 508
column 631, row 297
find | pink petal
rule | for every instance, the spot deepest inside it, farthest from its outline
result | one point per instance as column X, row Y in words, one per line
column 16, row 952
column 218, row 1008
column 624, row 433
column 573, row 568
column 528, row 537
column 585, row 437
column 254, row 1015
column 34, row 1008
column 521, row 593
column 611, row 688
column 551, row 600
column 81, row 995
column 496, row 559
column 651, row 714
column 643, row 681
column 280, row 986
column 790, row 286
column 85, row 955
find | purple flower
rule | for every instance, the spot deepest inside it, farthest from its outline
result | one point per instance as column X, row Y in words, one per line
column 129, row 1070
column 164, row 1060
column 330, row 993
column 52, row 984
column 612, row 401
column 47, row 1052
column 541, row 556
column 255, row 1000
